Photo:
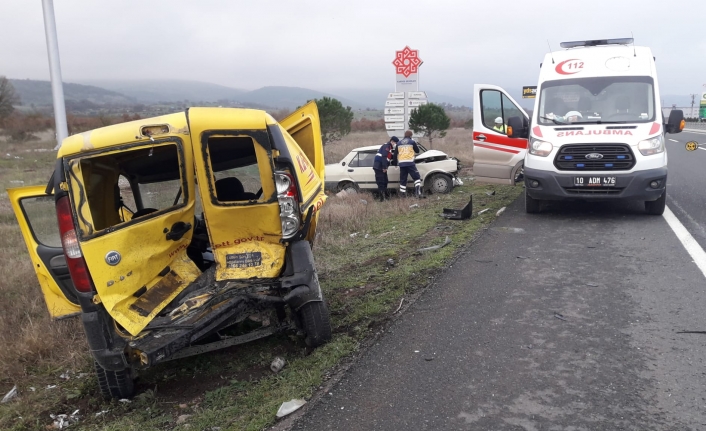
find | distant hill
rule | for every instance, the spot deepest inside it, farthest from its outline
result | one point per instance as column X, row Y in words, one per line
column 38, row 93
column 289, row 97
column 375, row 97
column 151, row 91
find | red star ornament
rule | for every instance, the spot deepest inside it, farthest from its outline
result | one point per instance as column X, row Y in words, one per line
column 407, row 61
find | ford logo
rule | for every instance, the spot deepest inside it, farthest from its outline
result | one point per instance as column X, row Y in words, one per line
column 594, row 156
column 112, row 258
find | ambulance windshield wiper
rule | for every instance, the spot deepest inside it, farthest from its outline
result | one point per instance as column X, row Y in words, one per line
column 554, row 120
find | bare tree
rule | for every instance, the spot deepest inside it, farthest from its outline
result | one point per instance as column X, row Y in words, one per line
column 8, row 97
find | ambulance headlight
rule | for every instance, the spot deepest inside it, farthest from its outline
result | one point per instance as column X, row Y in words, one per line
column 651, row 146
column 540, row 148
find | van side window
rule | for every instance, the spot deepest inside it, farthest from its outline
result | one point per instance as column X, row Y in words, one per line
column 491, row 106
column 110, row 189
column 234, row 164
column 41, row 217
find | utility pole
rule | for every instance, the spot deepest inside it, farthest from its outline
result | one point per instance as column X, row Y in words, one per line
column 691, row 114
column 57, row 89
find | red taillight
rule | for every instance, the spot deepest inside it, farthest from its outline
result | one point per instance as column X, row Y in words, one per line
column 72, row 250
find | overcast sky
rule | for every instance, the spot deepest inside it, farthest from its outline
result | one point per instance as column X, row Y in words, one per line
column 333, row 44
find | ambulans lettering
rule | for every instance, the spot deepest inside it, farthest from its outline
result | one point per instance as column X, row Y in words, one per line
column 593, row 132
column 569, row 67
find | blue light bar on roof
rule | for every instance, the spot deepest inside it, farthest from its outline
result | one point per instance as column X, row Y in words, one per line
column 598, row 42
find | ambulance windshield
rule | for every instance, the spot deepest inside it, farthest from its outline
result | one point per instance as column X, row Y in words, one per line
column 597, row 100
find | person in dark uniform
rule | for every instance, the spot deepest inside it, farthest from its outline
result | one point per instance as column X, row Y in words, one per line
column 406, row 150
column 382, row 161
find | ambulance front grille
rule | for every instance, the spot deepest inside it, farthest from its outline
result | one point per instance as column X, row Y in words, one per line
column 613, row 157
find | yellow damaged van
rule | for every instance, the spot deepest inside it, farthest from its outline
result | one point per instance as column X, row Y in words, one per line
column 172, row 231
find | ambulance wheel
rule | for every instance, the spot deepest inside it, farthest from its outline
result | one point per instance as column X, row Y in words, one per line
column 115, row 384
column 316, row 323
column 656, row 207
column 532, row 206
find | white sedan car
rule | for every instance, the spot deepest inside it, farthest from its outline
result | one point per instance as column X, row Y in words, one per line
column 355, row 172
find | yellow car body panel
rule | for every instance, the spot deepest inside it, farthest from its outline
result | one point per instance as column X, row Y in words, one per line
column 245, row 235
column 111, row 136
column 152, row 269
column 57, row 303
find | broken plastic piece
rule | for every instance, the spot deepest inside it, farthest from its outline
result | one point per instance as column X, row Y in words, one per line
column 289, row 407
column 485, row 210
column 277, row 364
column 500, row 211
column 462, row 214
column 10, row 395
column 436, row 247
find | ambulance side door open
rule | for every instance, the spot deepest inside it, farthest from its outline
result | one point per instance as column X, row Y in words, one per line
column 497, row 158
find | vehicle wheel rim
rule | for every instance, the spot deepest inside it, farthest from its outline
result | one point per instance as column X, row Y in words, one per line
column 440, row 185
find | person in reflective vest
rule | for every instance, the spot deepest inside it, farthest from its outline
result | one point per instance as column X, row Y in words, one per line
column 382, row 161
column 499, row 126
column 406, row 150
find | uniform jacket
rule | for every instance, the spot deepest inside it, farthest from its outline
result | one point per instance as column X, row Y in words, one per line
column 383, row 157
column 406, row 150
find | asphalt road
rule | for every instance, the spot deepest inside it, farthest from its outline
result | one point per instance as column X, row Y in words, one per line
column 686, row 185
column 577, row 323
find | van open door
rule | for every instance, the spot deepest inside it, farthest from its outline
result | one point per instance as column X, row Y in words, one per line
column 304, row 127
column 497, row 157
column 36, row 216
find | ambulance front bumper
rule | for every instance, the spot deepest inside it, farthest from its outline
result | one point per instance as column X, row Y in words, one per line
column 639, row 185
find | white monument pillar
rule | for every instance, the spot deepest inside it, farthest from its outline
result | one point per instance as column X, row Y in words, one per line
column 407, row 97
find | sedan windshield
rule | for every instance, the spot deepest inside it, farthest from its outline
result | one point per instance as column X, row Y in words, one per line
column 597, row 100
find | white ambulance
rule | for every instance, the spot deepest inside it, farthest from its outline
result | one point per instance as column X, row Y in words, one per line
column 596, row 132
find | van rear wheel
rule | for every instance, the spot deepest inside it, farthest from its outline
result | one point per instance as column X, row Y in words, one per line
column 656, row 207
column 316, row 322
column 115, row 384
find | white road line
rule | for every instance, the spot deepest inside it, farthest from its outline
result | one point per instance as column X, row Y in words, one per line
column 674, row 140
column 692, row 247
column 702, row 148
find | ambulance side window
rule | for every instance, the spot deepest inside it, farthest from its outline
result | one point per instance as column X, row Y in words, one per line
column 491, row 107
column 510, row 109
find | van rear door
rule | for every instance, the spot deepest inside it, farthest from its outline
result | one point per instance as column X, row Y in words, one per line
column 497, row 158
column 235, row 176
column 304, row 127
column 133, row 198
column 36, row 216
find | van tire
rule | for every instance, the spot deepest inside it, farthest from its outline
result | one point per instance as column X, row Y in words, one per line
column 532, row 205
column 115, row 384
column 316, row 323
column 656, row 207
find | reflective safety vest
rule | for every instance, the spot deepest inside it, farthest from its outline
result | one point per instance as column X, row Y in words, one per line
column 406, row 150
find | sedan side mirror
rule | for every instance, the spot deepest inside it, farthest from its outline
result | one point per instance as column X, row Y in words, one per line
column 676, row 122
column 517, row 127
column 343, row 163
